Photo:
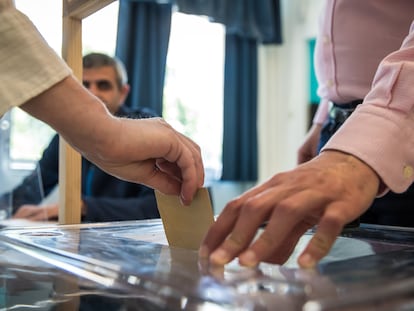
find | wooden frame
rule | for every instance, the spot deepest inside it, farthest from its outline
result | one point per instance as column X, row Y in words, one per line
column 69, row 160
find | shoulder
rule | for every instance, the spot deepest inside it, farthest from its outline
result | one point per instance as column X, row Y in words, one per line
column 136, row 113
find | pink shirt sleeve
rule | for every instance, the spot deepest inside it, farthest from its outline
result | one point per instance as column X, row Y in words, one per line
column 381, row 131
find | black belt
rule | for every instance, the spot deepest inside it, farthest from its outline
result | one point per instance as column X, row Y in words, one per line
column 340, row 112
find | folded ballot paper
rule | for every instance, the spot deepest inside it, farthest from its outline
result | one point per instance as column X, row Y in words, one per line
column 185, row 226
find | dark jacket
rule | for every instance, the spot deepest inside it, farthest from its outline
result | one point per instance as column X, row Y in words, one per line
column 106, row 197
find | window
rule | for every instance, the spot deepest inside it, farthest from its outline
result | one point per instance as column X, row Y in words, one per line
column 26, row 135
column 28, row 138
column 193, row 93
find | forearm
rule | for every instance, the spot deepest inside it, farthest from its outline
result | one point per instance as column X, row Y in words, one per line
column 77, row 115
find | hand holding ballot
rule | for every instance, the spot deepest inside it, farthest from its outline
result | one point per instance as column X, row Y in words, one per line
column 150, row 152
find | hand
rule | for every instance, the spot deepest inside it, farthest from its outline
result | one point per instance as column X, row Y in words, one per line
column 308, row 150
column 329, row 191
column 37, row 212
column 146, row 151
column 158, row 156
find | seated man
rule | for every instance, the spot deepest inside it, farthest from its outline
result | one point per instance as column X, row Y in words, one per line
column 104, row 197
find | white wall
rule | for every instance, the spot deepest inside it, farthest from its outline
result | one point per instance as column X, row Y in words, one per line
column 283, row 88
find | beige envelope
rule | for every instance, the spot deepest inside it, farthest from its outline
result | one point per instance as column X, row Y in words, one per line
column 185, row 226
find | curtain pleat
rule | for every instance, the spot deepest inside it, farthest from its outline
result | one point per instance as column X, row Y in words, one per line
column 240, row 110
column 142, row 44
column 254, row 19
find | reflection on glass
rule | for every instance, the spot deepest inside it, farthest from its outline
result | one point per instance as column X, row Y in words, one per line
column 128, row 266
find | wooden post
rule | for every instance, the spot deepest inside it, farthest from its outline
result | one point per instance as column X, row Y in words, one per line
column 70, row 160
column 83, row 8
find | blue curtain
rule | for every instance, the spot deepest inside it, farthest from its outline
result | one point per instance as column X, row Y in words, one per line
column 255, row 19
column 142, row 44
column 240, row 110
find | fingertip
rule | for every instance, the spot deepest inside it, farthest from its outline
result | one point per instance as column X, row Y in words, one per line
column 203, row 251
column 307, row 261
column 187, row 194
column 184, row 197
column 184, row 201
column 248, row 259
column 220, row 257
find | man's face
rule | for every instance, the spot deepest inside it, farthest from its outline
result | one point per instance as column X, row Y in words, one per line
column 102, row 83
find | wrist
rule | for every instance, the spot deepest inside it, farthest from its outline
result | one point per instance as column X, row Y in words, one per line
column 350, row 164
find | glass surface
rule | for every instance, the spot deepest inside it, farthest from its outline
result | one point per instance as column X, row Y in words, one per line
column 6, row 205
column 21, row 198
column 128, row 265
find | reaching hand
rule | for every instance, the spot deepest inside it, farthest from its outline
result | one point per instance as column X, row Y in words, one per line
column 329, row 191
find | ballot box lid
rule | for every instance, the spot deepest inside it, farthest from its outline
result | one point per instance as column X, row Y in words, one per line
column 129, row 266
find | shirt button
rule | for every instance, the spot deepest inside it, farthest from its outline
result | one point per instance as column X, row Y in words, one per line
column 408, row 171
column 326, row 39
column 329, row 83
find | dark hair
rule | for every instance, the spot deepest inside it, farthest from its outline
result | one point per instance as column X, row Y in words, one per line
column 97, row 60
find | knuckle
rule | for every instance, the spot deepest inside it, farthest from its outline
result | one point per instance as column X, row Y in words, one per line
column 251, row 206
column 334, row 220
column 232, row 207
column 236, row 241
column 233, row 204
column 287, row 208
column 267, row 240
column 321, row 243
column 277, row 178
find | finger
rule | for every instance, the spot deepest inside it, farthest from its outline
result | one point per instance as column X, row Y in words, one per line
column 286, row 249
column 199, row 162
column 187, row 157
column 192, row 180
column 254, row 212
column 174, row 172
column 289, row 220
column 163, row 182
column 329, row 227
column 224, row 224
column 169, row 168
column 220, row 229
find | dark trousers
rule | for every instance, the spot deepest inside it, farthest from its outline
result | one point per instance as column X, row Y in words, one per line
column 392, row 209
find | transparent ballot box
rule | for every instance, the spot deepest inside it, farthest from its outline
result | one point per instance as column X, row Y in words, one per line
column 129, row 266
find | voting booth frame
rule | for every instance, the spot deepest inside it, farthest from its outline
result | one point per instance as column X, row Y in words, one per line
column 69, row 159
